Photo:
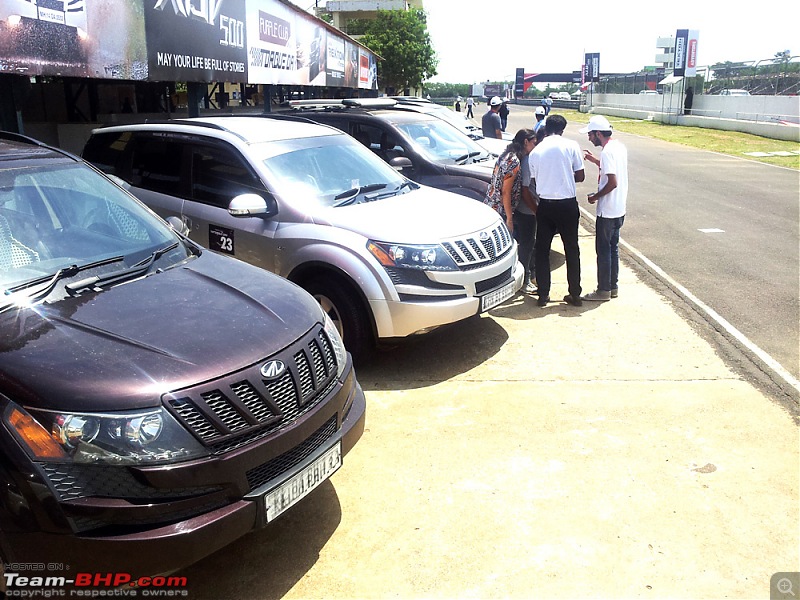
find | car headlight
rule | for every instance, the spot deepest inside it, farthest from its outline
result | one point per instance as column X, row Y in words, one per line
column 128, row 438
column 336, row 342
column 429, row 257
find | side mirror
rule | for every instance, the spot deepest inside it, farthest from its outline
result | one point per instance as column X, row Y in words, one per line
column 246, row 205
column 401, row 162
column 178, row 225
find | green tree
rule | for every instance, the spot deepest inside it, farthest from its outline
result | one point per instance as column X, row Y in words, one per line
column 401, row 39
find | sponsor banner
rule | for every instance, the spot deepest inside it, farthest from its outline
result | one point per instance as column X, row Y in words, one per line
column 691, row 53
column 519, row 82
column 368, row 75
column 681, row 43
column 336, row 60
column 191, row 41
column 591, row 67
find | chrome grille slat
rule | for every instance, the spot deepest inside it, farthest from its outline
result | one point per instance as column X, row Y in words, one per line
column 471, row 252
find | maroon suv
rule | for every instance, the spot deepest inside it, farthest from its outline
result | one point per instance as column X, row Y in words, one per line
column 158, row 400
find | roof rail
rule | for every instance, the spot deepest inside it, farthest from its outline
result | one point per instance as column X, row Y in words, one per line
column 344, row 102
column 18, row 137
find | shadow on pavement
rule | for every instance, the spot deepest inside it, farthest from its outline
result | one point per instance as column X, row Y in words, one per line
column 271, row 560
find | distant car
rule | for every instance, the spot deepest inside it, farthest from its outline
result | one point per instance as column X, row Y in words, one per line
column 648, row 92
column 458, row 120
column 564, row 96
column 553, row 95
column 734, row 92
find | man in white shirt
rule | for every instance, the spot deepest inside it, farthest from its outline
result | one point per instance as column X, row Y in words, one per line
column 556, row 166
column 611, row 198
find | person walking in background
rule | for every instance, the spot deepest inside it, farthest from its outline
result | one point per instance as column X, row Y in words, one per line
column 687, row 103
column 505, row 188
column 470, row 104
column 503, row 112
column 458, row 104
column 556, row 166
column 490, row 123
column 540, row 116
column 525, row 220
column 611, row 199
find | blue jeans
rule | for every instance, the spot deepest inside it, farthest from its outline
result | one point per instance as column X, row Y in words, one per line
column 606, row 244
column 525, row 234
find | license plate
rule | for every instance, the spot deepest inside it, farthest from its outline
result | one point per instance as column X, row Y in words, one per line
column 496, row 297
column 301, row 484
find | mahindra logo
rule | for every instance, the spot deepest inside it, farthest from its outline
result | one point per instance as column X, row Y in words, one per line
column 273, row 369
column 484, row 235
column 207, row 10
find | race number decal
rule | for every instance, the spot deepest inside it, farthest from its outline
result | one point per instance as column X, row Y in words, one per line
column 220, row 239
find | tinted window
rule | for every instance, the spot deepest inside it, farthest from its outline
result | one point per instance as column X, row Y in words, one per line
column 218, row 175
column 157, row 165
column 105, row 151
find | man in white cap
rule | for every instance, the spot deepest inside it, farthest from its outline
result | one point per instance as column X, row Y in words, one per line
column 540, row 116
column 491, row 125
column 611, row 198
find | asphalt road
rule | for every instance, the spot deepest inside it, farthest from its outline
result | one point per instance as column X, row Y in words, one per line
column 745, row 265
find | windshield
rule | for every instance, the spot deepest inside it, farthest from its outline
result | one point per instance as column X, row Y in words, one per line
column 332, row 171
column 64, row 217
column 443, row 143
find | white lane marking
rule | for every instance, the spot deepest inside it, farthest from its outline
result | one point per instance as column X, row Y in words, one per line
column 711, row 230
column 770, row 362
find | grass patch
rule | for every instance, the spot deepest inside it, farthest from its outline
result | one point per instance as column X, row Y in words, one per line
column 733, row 143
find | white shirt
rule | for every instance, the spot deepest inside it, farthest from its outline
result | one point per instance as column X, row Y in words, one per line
column 553, row 164
column 613, row 161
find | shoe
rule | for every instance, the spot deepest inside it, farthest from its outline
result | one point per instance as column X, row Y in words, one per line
column 531, row 289
column 597, row 296
column 573, row 301
column 543, row 300
column 614, row 293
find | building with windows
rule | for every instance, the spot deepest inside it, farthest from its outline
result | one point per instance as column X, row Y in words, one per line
column 666, row 55
column 346, row 12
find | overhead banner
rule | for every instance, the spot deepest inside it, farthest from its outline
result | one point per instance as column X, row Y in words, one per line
column 237, row 41
column 591, row 67
column 189, row 41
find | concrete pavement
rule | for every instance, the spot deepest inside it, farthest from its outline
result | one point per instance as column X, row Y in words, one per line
column 605, row 451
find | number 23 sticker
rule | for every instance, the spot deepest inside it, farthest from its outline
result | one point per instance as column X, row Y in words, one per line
column 220, row 239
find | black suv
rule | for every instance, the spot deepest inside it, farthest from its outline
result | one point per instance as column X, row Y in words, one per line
column 157, row 401
column 424, row 148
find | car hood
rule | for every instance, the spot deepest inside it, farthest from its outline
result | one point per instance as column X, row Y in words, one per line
column 493, row 145
column 422, row 216
column 124, row 347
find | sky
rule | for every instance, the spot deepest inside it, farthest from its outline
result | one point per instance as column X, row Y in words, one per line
column 479, row 40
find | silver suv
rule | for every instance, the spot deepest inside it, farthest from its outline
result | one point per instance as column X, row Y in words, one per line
column 384, row 256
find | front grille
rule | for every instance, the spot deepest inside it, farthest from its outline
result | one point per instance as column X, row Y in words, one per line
column 260, row 475
column 479, row 250
column 245, row 406
column 493, row 282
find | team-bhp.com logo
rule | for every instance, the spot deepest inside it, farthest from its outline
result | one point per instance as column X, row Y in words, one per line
column 18, row 585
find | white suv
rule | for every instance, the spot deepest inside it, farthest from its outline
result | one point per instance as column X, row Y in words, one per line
column 386, row 257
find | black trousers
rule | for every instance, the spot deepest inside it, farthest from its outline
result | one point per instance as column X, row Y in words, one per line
column 558, row 217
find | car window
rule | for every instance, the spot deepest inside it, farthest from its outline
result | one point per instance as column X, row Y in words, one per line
column 219, row 174
column 105, row 151
column 156, row 165
column 54, row 217
column 326, row 168
column 440, row 141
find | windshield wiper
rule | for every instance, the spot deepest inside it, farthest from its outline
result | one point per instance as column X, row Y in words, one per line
column 394, row 192
column 349, row 196
column 16, row 293
column 468, row 156
column 139, row 269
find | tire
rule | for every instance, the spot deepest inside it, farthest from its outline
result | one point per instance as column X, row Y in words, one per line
column 345, row 309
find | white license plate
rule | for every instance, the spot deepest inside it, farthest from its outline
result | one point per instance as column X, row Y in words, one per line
column 496, row 297
column 300, row 485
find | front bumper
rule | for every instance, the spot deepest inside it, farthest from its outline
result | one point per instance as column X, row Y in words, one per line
column 160, row 549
